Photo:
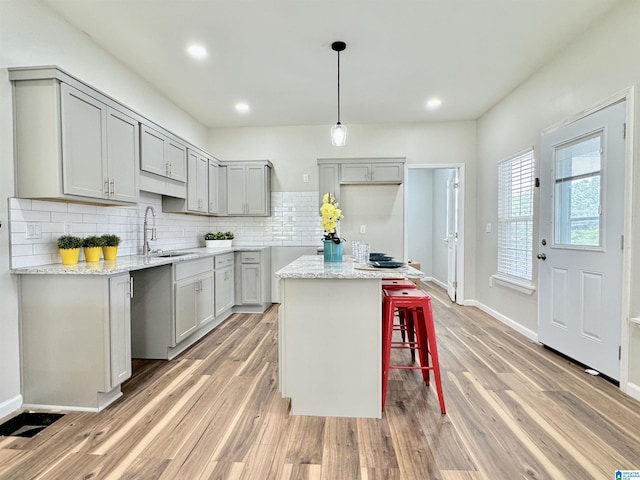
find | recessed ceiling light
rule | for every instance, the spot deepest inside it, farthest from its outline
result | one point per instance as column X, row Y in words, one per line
column 434, row 103
column 242, row 107
column 197, row 51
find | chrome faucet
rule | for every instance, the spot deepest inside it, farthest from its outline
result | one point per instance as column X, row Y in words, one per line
column 145, row 229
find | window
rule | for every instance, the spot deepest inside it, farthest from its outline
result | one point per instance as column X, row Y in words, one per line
column 578, row 195
column 515, row 217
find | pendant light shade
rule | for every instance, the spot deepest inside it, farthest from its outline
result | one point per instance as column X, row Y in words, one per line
column 338, row 135
column 338, row 131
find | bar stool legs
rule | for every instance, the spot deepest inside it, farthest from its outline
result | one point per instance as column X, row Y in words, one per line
column 416, row 305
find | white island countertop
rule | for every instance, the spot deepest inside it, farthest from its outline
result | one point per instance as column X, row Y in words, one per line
column 314, row 266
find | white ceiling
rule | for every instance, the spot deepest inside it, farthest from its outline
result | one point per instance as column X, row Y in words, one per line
column 276, row 54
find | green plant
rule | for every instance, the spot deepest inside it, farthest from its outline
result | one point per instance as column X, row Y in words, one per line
column 111, row 240
column 66, row 242
column 218, row 236
column 93, row 241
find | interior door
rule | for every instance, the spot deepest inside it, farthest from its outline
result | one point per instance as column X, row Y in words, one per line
column 452, row 233
column 581, row 227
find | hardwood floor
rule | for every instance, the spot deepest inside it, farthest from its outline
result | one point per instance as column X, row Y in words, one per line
column 514, row 410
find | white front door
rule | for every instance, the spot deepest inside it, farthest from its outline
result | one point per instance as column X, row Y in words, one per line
column 581, row 227
column 452, row 233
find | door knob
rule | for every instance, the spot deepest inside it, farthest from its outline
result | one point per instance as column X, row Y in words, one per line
column 542, row 256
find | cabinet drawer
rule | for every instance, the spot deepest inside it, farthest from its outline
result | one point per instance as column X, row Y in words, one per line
column 250, row 257
column 193, row 267
column 222, row 261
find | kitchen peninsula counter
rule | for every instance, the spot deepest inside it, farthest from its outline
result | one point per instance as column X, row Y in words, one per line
column 330, row 336
column 129, row 263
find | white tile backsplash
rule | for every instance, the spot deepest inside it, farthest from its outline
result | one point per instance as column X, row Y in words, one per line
column 295, row 221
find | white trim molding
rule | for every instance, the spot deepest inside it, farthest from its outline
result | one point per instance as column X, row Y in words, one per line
column 10, row 406
column 530, row 334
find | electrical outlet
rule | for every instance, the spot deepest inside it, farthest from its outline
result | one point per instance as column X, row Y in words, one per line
column 488, row 228
column 305, row 178
column 68, row 228
column 34, row 231
column 363, row 229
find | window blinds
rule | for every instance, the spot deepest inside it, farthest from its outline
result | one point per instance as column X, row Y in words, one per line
column 515, row 215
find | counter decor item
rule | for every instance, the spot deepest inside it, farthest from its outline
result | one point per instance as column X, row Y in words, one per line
column 218, row 239
column 331, row 215
column 110, row 247
column 69, row 248
column 92, row 247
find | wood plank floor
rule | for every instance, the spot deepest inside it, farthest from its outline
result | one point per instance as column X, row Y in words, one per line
column 514, row 410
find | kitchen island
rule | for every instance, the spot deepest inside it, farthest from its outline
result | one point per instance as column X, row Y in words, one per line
column 330, row 336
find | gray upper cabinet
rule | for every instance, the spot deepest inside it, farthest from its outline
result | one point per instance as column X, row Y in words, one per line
column 371, row 171
column 213, row 186
column 162, row 155
column 202, row 186
column 197, row 182
column 72, row 142
column 248, row 188
column 329, row 180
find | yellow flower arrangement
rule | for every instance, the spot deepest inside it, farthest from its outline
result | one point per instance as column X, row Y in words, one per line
column 331, row 215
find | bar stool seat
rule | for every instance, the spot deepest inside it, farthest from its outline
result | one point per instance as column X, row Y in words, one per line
column 403, row 326
column 417, row 305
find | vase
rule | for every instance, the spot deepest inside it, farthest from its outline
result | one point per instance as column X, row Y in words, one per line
column 92, row 254
column 332, row 251
column 69, row 256
column 110, row 252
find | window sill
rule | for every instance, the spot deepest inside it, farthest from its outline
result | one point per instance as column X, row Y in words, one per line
column 521, row 287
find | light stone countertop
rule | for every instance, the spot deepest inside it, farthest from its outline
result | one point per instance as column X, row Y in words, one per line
column 129, row 263
column 314, row 266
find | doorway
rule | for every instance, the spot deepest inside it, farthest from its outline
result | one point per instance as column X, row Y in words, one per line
column 434, row 222
column 582, row 205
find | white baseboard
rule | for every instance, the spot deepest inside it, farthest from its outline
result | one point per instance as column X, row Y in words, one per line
column 438, row 282
column 530, row 334
column 633, row 390
column 10, row 406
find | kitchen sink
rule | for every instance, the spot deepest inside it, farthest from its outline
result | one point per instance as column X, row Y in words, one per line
column 171, row 254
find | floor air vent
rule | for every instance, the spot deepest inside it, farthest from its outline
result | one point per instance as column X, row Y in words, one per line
column 27, row 424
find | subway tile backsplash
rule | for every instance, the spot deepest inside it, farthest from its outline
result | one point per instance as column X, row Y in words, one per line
column 35, row 226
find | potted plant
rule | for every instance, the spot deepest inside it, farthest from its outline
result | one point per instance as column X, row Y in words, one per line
column 69, row 247
column 92, row 246
column 218, row 239
column 110, row 247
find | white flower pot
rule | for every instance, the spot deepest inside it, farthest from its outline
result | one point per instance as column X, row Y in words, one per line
column 218, row 243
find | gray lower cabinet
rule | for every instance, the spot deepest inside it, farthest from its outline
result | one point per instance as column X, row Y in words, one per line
column 76, row 339
column 253, row 281
column 175, row 305
column 194, row 296
column 224, row 279
column 72, row 142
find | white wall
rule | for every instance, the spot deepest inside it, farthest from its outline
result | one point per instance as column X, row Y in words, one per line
column 294, row 151
column 31, row 35
column 598, row 65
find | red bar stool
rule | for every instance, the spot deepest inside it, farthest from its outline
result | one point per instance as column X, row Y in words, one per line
column 405, row 328
column 417, row 304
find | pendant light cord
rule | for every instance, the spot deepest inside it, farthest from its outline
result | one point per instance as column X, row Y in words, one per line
column 338, row 88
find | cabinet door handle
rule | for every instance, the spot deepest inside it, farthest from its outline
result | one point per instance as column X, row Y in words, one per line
column 112, row 189
column 106, row 187
column 130, row 287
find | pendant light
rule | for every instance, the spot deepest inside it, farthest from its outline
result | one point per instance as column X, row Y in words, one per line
column 338, row 131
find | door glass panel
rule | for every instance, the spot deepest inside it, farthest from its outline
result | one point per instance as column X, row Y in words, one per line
column 578, row 196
